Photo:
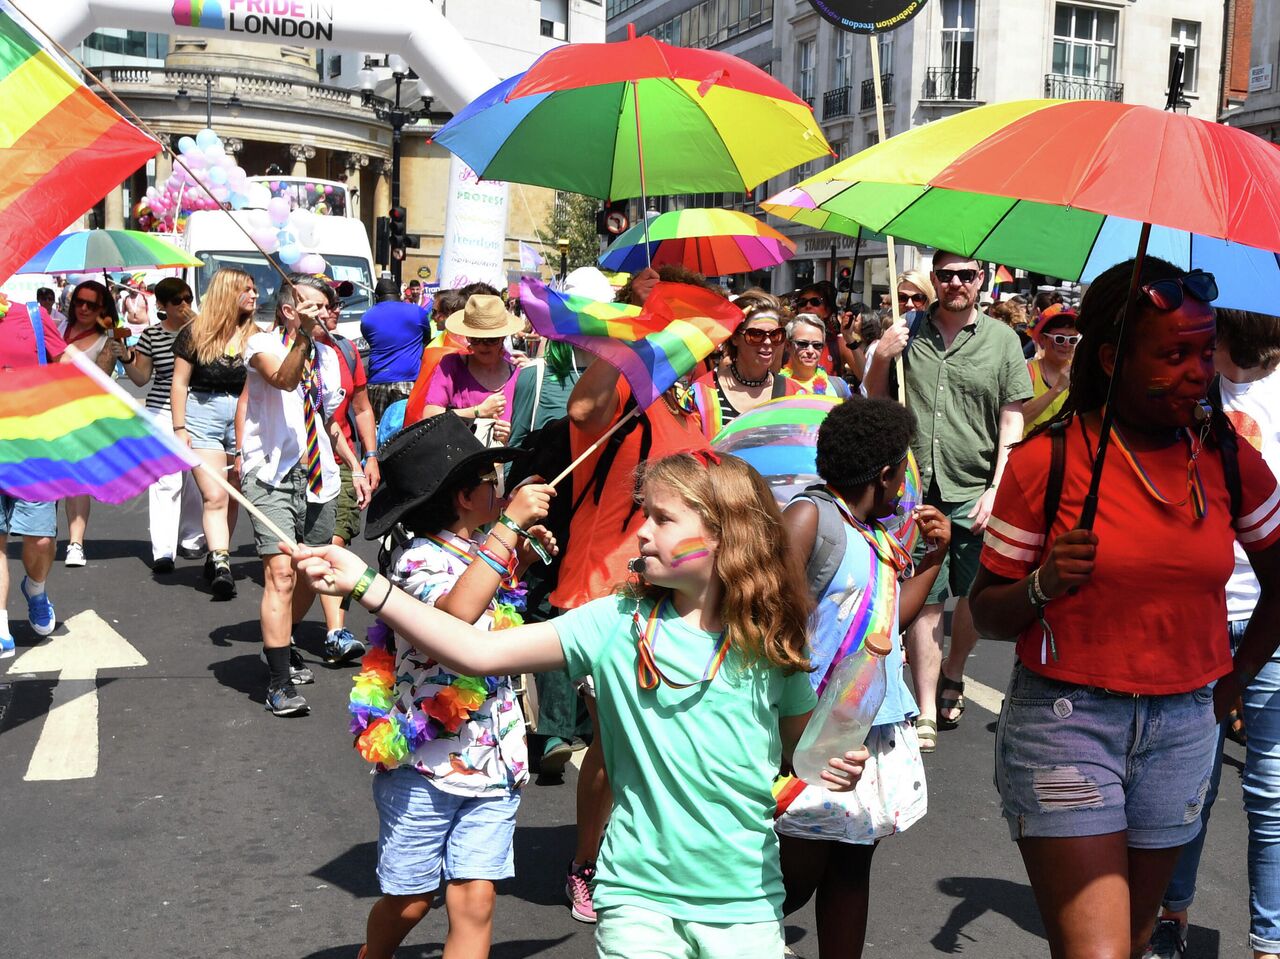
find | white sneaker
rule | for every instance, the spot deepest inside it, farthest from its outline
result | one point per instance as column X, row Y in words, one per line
column 75, row 555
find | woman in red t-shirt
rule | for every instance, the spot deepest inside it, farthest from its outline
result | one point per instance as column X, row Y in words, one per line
column 1108, row 731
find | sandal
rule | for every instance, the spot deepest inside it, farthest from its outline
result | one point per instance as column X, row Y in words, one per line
column 948, row 685
column 927, row 734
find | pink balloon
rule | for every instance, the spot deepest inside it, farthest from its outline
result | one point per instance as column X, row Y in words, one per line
column 311, row 263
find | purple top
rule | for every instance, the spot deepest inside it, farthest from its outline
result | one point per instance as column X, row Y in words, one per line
column 453, row 386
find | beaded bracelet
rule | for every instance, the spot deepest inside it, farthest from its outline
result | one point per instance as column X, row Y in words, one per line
column 1038, row 596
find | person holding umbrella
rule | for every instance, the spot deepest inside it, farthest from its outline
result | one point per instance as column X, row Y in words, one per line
column 1106, row 739
column 89, row 330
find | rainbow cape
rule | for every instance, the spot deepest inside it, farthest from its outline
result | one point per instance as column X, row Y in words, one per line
column 67, row 430
column 652, row 348
column 61, row 148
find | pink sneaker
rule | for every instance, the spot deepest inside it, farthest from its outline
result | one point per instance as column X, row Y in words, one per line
column 577, row 889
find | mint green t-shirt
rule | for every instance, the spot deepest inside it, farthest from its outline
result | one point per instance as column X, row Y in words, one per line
column 691, row 835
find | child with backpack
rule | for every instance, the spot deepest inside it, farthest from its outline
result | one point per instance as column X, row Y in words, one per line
column 449, row 749
column 704, row 691
column 857, row 573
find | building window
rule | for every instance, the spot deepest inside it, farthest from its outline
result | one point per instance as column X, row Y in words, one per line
column 555, row 19
column 842, row 60
column 806, row 61
column 1084, row 43
column 886, row 53
column 803, row 171
column 959, row 19
column 335, row 65
column 1186, row 34
column 837, row 149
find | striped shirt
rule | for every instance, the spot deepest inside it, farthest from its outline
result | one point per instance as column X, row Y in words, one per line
column 157, row 343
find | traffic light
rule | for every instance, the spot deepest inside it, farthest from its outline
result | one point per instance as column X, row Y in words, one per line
column 399, row 227
column 382, row 240
column 845, row 282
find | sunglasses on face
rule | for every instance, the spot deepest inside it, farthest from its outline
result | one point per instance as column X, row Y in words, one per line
column 756, row 337
column 801, row 345
column 1064, row 339
column 913, row 297
column 81, row 304
column 188, row 299
column 1168, row 295
column 965, row 276
column 810, row 301
column 484, row 339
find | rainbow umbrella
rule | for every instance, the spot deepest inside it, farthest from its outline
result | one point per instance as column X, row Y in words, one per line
column 87, row 250
column 779, row 440
column 61, row 147
column 709, row 241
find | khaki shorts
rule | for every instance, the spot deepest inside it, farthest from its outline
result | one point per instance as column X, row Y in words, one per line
column 349, row 522
column 286, row 505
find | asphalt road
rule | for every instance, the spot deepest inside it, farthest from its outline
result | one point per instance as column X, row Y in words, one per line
column 212, row 828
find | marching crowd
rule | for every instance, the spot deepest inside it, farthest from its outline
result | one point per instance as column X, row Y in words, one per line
column 681, row 624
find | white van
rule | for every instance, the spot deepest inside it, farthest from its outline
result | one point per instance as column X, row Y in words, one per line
column 213, row 237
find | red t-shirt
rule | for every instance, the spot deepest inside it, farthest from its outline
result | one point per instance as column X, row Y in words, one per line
column 602, row 540
column 1153, row 617
column 352, row 380
column 18, row 339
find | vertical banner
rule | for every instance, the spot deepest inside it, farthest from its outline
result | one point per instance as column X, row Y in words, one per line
column 475, row 230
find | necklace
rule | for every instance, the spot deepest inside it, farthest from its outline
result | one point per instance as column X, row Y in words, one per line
column 1195, row 485
column 743, row 381
column 648, row 673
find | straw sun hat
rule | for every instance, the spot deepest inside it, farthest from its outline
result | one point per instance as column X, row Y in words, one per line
column 483, row 316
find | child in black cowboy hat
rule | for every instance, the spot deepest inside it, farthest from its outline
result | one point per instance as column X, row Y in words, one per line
column 450, row 749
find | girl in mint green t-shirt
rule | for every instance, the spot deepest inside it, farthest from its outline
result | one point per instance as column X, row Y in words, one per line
column 701, row 674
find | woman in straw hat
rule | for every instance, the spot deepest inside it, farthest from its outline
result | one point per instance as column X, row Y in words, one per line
column 478, row 385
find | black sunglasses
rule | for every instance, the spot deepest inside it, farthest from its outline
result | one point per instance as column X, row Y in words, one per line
column 946, row 276
column 187, row 298
column 810, row 301
column 87, row 304
column 756, row 337
column 913, row 297
column 1168, row 295
column 807, row 344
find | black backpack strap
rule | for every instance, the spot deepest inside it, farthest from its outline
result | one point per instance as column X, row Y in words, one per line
column 1224, row 434
column 1057, row 470
column 779, row 387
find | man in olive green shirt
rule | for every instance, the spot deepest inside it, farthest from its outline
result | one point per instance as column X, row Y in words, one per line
column 966, row 379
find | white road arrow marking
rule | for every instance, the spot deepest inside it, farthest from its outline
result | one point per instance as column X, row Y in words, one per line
column 68, row 744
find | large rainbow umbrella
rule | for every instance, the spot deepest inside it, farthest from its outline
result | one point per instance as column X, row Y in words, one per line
column 620, row 120
column 1064, row 188
column 87, row 250
column 708, row 241
column 61, row 147
column 779, row 440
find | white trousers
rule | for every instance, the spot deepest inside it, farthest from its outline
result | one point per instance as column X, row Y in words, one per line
column 177, row 511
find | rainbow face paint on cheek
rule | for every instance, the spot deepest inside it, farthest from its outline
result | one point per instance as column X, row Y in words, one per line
column 687, row 550
column 1159, row 386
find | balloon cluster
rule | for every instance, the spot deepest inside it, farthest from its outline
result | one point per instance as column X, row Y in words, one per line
column 209, row 179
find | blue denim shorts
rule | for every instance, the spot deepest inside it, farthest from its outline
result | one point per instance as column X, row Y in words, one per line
column 1080, row 761
column 20, row 517
column 426, row 835
column 211, row 421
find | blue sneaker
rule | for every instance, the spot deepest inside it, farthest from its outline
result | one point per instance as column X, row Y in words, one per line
column 39, row 611
column 7, row 646
column 340, row 646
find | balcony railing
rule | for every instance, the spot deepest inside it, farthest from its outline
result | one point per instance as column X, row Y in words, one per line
column 869, row 91
column 835, row 103
column 943, row 83
column 1058, row 87
column 808, row 100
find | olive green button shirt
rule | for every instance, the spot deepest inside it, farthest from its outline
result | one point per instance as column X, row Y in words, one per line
column 956, row 394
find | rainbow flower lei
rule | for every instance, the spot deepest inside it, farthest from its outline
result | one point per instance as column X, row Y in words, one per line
column 819, row 384
column 387, row 736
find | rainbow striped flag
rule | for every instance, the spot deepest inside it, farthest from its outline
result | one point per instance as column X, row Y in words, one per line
column 652, row 348
column 1003, row 275
column 67, row 430
column 61, row 147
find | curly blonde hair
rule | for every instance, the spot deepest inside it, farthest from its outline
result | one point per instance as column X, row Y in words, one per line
column 220, row 322
column 766, row 603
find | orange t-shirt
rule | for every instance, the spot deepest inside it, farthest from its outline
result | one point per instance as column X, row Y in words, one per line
column 602, row 535
column 1153, row 617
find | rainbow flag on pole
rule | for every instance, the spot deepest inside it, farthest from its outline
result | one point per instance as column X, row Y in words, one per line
column 678, row 328
column 61, row 147
column 66, row 430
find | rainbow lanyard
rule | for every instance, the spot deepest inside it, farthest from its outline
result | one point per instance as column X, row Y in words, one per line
column 878, row 604
column 463, row 556
column 648, row 673
column 1195, row 485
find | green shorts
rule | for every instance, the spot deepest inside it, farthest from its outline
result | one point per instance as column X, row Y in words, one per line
column 349, row 521
column 625, row 931
column 286, row 505
column 960, row 565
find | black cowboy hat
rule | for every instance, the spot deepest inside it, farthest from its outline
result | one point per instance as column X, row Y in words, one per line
column 420, row 461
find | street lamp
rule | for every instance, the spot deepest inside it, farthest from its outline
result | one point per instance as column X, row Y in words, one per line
column 396, row 114
column 563, row 245
column 182, row 100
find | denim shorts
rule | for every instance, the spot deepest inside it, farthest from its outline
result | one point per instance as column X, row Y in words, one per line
column 211, row 421
column 1080, row 761
column 20, row 517
column 426, row 835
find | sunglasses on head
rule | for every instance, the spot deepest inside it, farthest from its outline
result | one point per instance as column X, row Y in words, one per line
column 756, row 337
column 1168, row 295
column 1063, row 339
column 965, row 276
column 913, row 297
column 810, row 301
column 81, row 303
column 807, row 344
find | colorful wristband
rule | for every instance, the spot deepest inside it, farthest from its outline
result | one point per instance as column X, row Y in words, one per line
column 363, row 583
